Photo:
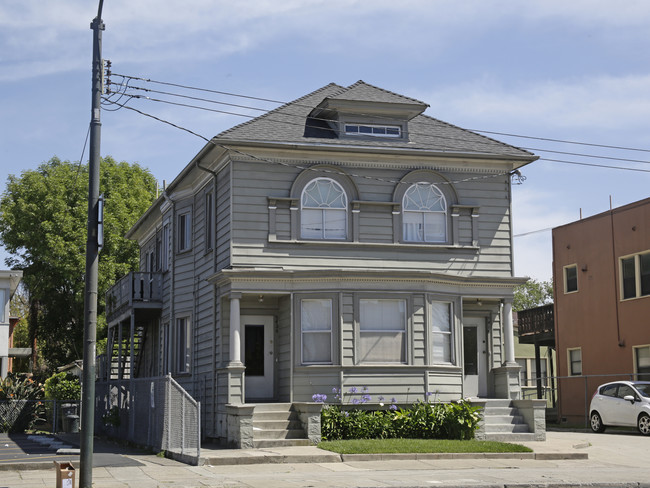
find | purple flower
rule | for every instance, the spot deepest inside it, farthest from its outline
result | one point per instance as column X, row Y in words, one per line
column 353, row 389
column 366, row 398
column 393, row 407
column 334, row 390
column 318, row 398
column 355, row 401
column 393, row 400
column 380, row 398
column 346, row 413
column 429, row 393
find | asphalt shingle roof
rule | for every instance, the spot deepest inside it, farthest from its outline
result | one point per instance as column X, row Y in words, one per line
column 288, row 124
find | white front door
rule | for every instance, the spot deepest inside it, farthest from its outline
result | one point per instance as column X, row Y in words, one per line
column 257, row 355
column 475, row 355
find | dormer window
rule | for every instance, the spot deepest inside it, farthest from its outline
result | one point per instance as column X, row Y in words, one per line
column 373, row 130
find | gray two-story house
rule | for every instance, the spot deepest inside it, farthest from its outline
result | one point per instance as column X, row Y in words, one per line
column 342, row 240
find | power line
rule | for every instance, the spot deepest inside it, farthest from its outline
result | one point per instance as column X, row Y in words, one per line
column 308, row 168
column 437, row 137
column 562, row 141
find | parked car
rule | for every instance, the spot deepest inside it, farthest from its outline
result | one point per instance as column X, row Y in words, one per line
column 621, row 404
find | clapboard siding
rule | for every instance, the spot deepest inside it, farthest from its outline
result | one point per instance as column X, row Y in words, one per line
column 283, row 349
column 223, row 218
column 445, row 385
column 250, row 226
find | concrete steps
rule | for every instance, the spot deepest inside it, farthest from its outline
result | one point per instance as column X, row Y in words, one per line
column 502, row 422
column 277, row 425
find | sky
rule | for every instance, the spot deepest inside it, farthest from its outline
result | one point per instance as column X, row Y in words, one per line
column 574, row 71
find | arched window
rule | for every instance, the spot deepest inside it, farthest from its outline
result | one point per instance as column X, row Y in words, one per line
column 323, row 210
column 424, row 216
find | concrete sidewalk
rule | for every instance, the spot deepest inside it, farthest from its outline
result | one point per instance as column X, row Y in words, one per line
column 565, row 459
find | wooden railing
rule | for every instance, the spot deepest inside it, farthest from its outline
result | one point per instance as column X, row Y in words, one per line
column 134, row 287
column 538, row 320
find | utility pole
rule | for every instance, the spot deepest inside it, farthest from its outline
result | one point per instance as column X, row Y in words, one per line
column 92, row 262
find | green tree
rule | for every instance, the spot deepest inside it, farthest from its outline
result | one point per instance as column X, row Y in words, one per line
column 532, row 294
column 43, row 220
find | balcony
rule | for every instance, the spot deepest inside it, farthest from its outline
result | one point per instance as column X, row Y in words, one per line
column 537, row 326
column 137, row 290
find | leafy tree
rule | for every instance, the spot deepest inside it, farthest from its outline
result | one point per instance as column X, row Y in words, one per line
column 43, row 220
column 532, row 294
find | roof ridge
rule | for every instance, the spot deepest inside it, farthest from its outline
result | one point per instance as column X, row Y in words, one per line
column 276, row 109
column 475, row 133
column 361, row 82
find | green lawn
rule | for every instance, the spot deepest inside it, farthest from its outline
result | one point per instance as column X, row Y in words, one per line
column 376, row 446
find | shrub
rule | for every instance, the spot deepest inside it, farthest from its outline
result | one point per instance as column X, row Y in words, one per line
column 63, row 387
column 422, row 420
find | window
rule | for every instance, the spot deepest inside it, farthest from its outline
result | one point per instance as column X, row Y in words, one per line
column 183, row 343
column 164, row 248
column 209, row 211
column 316, row 331
column 373, row 130
column 635, row 276
column 424, row 216
column 575, row 362
column 382, row 331
column 324, row 210
column 642, row 362
column 523, row 371
column 571, row 278
column 442, row 337
column 184, row 232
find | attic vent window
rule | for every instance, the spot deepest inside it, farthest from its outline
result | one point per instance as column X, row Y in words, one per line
column 373, row 130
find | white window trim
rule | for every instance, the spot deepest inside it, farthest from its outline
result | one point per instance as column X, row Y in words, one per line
column 637, row 275
column 564, row 275
column 569, row 363
column 403, row 331
column 182, row 359
column 344, row 210
column 422, row 213
column 184, row 238
column 450, row 334
column 358, row 133
column 323, row 331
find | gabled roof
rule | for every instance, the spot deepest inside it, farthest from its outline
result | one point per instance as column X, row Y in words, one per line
column 291, row 124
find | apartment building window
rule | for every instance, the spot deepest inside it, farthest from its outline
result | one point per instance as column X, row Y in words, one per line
column 642, row 362
column 635, row 276
column 382, row 331
column 316, row 331
column 571, row 278
column 164, row 248
column 424, row 217
column 575, row 361
column 441, row 319
column 324, row 210
column 183, row 345
column 209, row 216
column 184, row 231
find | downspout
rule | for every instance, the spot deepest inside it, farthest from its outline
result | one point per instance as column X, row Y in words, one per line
column 621, row 342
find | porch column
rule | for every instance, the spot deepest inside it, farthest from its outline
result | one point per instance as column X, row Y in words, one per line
column 508, row 332
column 235, row 329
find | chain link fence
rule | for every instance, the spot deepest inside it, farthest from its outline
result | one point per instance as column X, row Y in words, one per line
column 39, row 415
column 155, row 412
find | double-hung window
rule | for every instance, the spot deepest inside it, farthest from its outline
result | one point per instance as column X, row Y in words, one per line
column 441, row 319
column 184, row 231
column 635, row 276
column 642, row 362
column 570, row 278
column 316, row 331
column 324, row 210
column 575, row 361
column 424, row 216
column 183, row 343
column 382, row 331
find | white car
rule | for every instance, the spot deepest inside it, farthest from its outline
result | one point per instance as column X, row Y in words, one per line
column 621, row 404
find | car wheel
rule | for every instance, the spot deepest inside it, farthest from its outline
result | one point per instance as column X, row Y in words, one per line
column 597, row 423
column 644, row 424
